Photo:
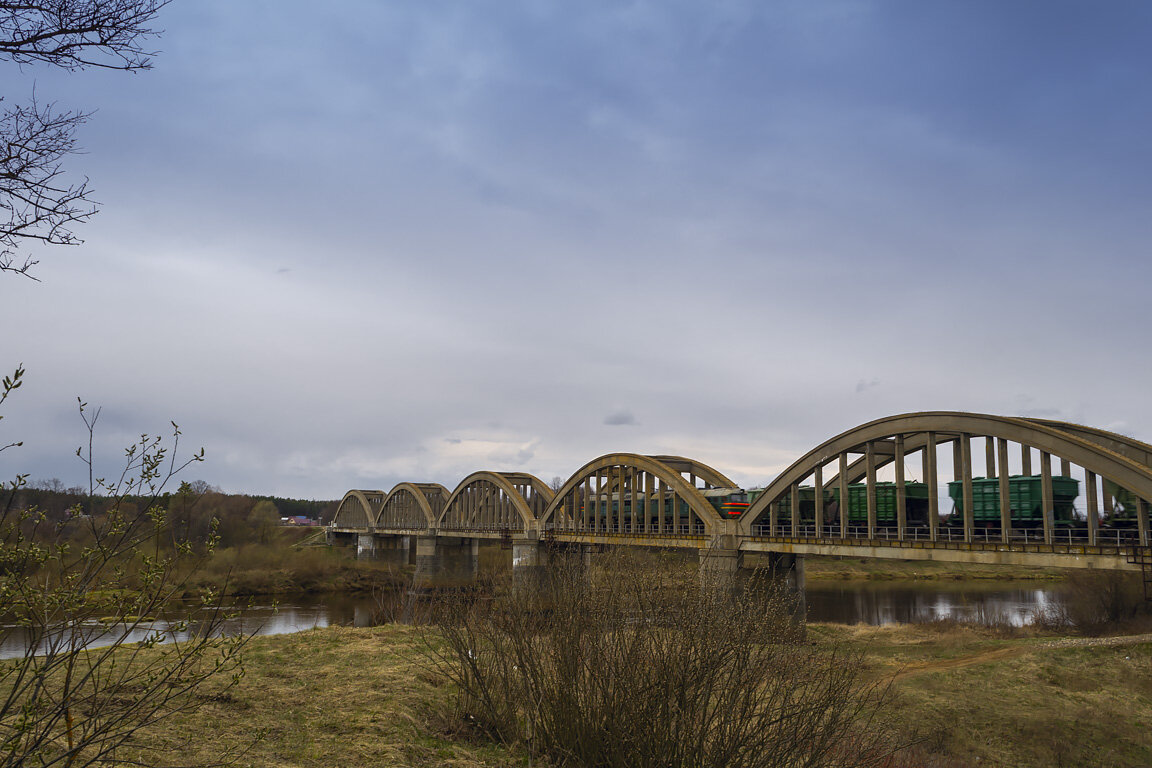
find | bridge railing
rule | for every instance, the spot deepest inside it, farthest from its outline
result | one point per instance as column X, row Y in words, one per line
column 1074, row 535
column 625, row 529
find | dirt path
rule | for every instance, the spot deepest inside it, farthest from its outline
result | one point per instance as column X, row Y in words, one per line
column 957, row 663
column 1003, row 653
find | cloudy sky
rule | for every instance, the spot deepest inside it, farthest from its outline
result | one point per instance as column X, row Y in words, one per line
column 349, row 244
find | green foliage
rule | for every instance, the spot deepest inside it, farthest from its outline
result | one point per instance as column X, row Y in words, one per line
column 82, row 592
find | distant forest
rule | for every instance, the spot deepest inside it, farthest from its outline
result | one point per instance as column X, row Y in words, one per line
column 242, row 518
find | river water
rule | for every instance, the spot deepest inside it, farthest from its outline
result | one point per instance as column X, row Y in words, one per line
column 847, row 602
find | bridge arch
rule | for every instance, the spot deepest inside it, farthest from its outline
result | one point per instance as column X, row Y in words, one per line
column 358, row 509
column 495, row 501
column 1123, row 461
column 412, row 506
column 631, row 493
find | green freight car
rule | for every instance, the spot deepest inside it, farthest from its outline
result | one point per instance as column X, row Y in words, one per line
column 915, row 504
column 1124, row 505
column 1024, row 499
column 728, row 502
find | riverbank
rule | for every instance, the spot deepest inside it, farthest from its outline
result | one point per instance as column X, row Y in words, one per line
column 876, row 569
column 283, row 569
column 964, row 696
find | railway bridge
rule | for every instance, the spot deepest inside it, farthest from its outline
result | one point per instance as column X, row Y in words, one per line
column 1012, row 502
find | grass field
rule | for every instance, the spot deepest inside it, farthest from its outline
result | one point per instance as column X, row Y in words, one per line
column 962, row 696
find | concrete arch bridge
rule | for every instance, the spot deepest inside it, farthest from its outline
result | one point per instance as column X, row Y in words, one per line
column 1019, row 491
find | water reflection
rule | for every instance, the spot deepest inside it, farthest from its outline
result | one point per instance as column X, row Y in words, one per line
column 257, row 619
column 911, row 603
column 839, row 602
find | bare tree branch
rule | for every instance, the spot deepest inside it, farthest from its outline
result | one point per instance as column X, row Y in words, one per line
column 36, row 203
column 75, row 34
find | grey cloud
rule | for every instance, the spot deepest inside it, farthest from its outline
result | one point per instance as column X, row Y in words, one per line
column 567, row 209
column 621, row 418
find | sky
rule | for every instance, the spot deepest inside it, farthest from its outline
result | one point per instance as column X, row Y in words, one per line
column 352, row 244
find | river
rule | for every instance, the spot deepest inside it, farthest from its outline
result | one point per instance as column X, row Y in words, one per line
column 843, row 602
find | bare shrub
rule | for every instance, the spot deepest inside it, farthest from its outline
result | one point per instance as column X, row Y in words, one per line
column 619, row 664
column 1098, row 599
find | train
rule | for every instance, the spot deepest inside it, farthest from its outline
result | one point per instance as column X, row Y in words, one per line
column 915, row 504
column 1024, row 493
column 728, row 502
column 1124, row 505
column 1025, row 500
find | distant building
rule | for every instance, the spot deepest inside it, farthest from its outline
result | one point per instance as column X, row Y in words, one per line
column 298, row 520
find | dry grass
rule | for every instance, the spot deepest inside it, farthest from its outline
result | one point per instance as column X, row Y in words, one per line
column 967, row 696
column 331, row 697
column 276, row 569
column 853, row 568
column 973, row 697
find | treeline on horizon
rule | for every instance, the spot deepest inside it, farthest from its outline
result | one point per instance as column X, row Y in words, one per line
column 241, row 518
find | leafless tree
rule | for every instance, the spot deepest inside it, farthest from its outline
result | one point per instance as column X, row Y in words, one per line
column 39, row 203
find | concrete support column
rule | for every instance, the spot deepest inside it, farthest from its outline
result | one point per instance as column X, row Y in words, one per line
column 1093, row 506
column 818, row 481
column 531, row 560
column 966, row 478
column 391, row 549
column 720, row 568
column 932, row 481
column 794, row 498
column 365, row 546
column 1142, row 521
column 1005, row 492
column 870, row 489
column 790, row 567
column 458, row 559
column 842, row 474
column 1047, row 502
column 588, row 553
column 427, row 558
column 901, row 491
column 731, row 569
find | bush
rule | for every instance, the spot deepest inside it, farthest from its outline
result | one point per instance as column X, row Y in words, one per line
column 622, row 665
column 80, row 604
column 1097, row 600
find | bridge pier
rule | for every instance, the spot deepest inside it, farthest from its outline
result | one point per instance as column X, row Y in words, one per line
column 365, row 546
column 534, row 561
column 733, row 569
column 446, row 559
column 391, row 549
